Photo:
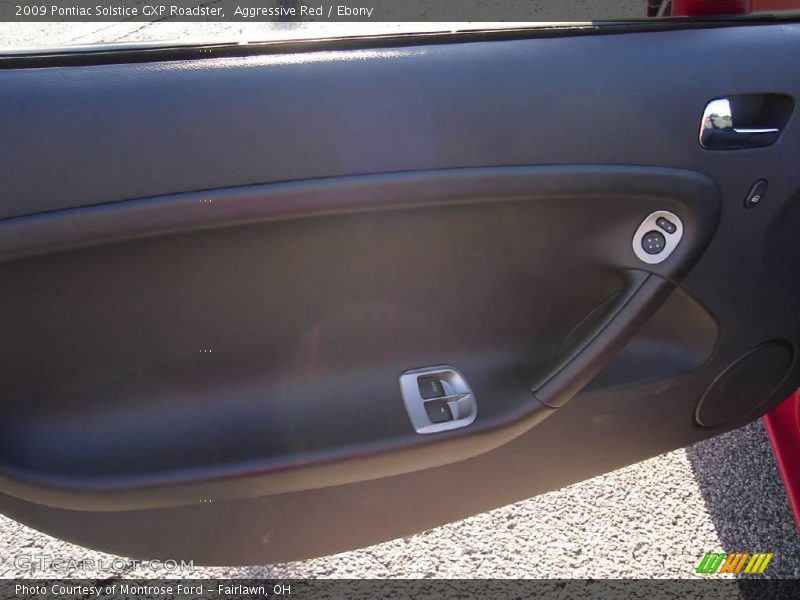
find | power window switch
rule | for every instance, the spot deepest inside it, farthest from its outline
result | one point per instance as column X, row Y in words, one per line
column 430, row 386
column 438, row 411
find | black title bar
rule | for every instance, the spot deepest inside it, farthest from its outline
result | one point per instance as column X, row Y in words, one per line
column 322, row 10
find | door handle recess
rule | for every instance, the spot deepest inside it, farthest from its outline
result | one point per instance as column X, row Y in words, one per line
column 765, row 116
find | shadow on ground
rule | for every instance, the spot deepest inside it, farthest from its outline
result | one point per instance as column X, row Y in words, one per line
column 745, row 497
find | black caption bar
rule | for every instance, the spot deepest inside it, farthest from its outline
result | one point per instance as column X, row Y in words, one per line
column 321, row 10
column 210, row 589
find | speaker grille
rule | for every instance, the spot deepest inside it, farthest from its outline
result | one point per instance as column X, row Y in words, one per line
column 746, row 384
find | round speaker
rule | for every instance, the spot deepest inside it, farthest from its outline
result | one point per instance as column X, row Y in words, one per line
column 746, row 384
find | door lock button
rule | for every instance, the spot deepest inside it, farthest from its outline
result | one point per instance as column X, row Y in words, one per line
column 438, row 411
column 430, row 386
column 654, row 242
column 666, row 225
column 756, row 193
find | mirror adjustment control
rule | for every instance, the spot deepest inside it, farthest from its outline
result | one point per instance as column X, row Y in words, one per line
column 438, row 411
column 437, row 399
column 657, row 237
column 654, row 242
column 430, row 386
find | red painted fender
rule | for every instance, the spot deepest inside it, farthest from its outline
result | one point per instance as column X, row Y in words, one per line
column 783, row 429
column 693, row 8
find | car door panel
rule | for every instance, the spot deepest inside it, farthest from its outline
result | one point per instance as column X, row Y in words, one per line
column 214, row 286
column 285, row 321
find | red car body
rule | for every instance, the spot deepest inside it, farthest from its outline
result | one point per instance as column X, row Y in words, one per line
column 783, row 428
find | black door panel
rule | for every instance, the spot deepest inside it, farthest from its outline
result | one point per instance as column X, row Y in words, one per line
column 212, row 290
column 276, row 347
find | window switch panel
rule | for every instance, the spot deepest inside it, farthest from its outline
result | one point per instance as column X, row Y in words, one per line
column 437, row 399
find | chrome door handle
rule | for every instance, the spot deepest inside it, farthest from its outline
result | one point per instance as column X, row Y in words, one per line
column 756, row 131
column 717, row 131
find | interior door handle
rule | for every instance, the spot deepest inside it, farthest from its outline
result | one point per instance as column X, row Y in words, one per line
column 718, row 132
column 755, row 131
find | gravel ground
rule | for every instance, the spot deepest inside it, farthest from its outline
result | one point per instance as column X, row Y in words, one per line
column 654, row 519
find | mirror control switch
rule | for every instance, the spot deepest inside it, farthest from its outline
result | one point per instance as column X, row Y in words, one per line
column 438, row 411
column 654, row 242
column 657, row 237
